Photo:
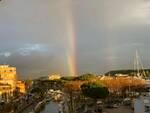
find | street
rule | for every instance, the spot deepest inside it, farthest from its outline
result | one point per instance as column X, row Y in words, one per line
column 121, row 109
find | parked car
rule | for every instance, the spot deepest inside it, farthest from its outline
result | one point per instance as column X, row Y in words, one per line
column 115, row 106
column 112, row 105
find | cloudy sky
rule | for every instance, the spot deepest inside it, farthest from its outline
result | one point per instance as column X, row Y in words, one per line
column 39, row 36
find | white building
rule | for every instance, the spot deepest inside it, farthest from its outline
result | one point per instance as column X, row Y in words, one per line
column 142, row 104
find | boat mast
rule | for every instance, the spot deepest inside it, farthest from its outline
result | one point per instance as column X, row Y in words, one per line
column 138, row 67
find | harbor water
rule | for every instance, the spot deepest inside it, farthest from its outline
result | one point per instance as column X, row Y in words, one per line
column 51, row 107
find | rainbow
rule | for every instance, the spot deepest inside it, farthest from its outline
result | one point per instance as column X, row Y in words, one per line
column 71, row 37
column 111, row 53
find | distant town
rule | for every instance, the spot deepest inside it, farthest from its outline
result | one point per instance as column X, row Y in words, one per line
column 126, row 90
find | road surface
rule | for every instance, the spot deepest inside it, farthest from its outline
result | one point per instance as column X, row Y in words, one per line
column 121, row 109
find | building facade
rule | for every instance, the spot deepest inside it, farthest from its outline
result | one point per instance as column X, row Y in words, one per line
column 21, row 86
column 7, row 82
column 54, row 77
column 8, row 75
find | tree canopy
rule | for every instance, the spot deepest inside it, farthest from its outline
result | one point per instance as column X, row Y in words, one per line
column 68, row 78
column 94, row 90
column 38, row 91
column 85, row 77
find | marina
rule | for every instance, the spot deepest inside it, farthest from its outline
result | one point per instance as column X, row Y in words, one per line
column 51, row 107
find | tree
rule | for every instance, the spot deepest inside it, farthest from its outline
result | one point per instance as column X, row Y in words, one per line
column 118, row 86
column 94, row 90
column 86, row 77
column 28, row 83
column 68, row 78
column 38, row 91
column 71, row 89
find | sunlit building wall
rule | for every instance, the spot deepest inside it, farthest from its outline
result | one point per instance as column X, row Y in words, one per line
column 54, row 77
column 7, row 82
column 21, row 86
column 8, row 75
column 6, row 92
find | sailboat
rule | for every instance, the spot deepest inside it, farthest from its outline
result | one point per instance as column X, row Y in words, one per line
column 139, row 71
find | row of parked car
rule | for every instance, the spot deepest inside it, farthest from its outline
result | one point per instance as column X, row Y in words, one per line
column 116, row 104
column 100, row 106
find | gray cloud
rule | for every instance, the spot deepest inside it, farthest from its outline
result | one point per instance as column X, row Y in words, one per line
column 29, row 48
column 5, row 54
column 35, row 36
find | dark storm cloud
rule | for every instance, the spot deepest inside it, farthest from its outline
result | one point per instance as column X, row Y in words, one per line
column 33, row 34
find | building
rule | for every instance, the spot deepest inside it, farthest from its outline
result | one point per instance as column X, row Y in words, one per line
column 142, row 103
column 54, row 77
column 8, row 75
column 121, row 75
column 21, row 86
column 6, row 92
column 7, row 82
